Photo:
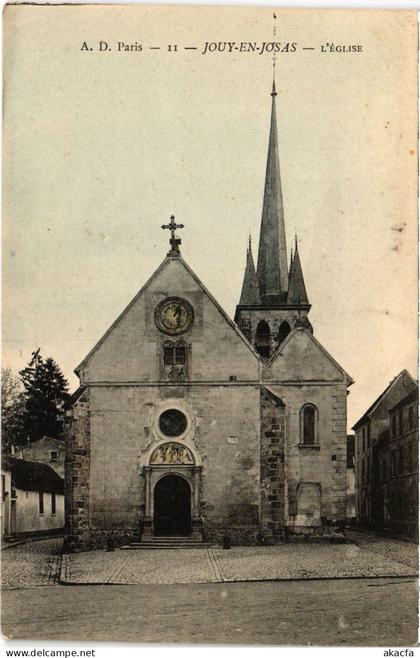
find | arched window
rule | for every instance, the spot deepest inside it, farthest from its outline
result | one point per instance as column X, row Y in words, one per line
column 174, row 358
column 284, row 330
column 180, row 353
column 262, row 339
column 174, row 354
column 309, row 425
column 168, row 353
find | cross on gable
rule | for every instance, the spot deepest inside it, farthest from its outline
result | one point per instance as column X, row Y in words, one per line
column 174, row 241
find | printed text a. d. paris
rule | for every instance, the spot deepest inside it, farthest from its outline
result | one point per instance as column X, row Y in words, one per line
column 207, row 48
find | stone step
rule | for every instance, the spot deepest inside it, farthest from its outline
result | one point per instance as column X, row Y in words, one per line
column 147, row 545
column 172, row 538
column 169, row 543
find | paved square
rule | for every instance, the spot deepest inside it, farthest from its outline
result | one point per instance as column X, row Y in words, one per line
column 367, row 558
column 361, row 610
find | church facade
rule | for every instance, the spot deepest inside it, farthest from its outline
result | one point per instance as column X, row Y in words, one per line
column 187, row 423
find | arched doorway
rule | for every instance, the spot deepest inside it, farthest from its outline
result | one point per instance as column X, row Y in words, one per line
column 172, row 507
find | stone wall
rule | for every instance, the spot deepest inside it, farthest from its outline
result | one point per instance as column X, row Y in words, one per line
column 254, row 472
column 322, row 465
column 248, row 321
column 28, row 517
column 77, row 476
column 113, row 433
column 243, row 425
column 273, row 430
column 369, row 429
column 338, row 509
column 227, row 438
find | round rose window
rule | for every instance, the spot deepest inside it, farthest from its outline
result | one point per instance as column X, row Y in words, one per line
column 172, row 422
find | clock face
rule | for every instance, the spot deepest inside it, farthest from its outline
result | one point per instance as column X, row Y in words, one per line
column 174, row 316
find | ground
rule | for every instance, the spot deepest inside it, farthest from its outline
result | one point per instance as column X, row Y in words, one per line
column 247, row 563
column 33, row 564
column 373, row 610
column 359, row 612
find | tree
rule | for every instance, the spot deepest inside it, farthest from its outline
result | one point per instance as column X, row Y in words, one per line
column 45, row 391
column 12, row 410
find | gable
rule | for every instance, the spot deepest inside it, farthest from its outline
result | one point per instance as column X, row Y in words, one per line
column 130, row 351
column 302, row 358
column 400, row 386
column 46, row 443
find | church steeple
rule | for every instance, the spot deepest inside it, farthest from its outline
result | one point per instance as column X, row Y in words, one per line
column 272, row 255
column 296, row 293
column 250, row 294
column 273, row 299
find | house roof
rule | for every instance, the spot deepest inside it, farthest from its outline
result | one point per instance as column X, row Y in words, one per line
column 48, row 439
column 411, row 397
column 33, row 476
column 74, row 396
column 379, row 399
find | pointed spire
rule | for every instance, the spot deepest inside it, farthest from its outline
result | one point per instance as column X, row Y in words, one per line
column 250, row 293
column 272, row 253
column 297, row 291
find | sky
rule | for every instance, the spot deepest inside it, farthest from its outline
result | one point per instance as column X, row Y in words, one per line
column 100, row 148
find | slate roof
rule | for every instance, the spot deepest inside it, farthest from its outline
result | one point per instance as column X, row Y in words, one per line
column 74, row 397
column 411, row 397
column 33, row 476
column 250, row 294
column 379, row 399
column 272, row 255
column 296, row 293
